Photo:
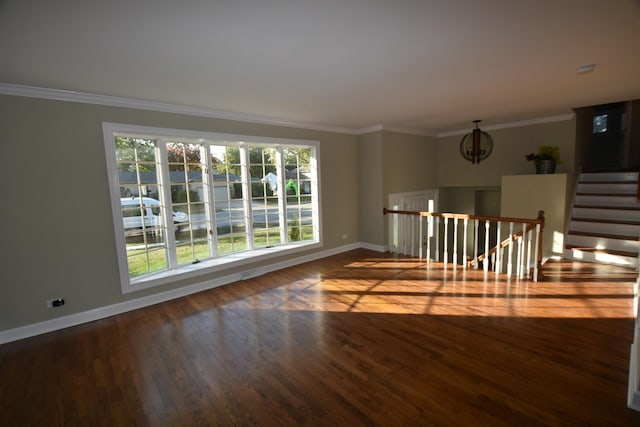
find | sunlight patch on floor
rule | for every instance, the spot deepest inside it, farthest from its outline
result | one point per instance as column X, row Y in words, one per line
column 409, row 286
column 452, row 298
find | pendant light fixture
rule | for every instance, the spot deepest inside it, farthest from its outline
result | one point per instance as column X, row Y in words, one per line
column 476, row 145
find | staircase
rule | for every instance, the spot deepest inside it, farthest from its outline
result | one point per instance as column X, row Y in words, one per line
column 605, row 220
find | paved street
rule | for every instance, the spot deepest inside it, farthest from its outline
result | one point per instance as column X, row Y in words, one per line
column 261, row 213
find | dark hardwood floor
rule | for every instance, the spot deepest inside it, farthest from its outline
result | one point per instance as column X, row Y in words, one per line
column 362, row 338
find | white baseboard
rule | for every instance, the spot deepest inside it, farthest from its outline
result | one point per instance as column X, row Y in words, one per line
column 372, row 247
column 134, row 304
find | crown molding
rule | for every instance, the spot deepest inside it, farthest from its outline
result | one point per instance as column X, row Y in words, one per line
column 407, row 131
column 140, row 104
column 537, row 121
column 369, row 129
column 397, row 129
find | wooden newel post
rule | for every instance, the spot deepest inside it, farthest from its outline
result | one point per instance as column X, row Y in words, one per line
column 539, row 260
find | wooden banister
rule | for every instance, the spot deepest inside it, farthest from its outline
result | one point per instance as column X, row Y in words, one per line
column 531, row 224
column 505, row 242
column 466, row 216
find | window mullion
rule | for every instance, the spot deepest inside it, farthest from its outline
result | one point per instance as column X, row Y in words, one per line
column 209, row 200
column 315, row 200
column 246, row 195
column 164, row 183
column 282, row 196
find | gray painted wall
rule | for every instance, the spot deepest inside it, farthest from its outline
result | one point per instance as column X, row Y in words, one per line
column 58, row 237
column 370, row 188
column 391, row 162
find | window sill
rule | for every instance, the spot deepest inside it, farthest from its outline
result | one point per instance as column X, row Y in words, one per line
column 216, row 265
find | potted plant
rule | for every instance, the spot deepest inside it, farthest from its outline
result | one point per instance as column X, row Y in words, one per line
column 546, row 159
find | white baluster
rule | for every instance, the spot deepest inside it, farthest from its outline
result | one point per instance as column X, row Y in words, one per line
column 412, row 220
column 529, row 238
column 486, row 246
column 429, row 236
column 464, row 247
column 421, row 242
column 437, row 238
column 518, row 258
column 498, row 267
column 475, row 242
column 521, row 252
column 510, row 256
column 400, row 233
column 393, row 224
column 455, row 241
column 445, row 243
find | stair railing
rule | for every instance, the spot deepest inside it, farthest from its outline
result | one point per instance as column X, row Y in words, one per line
column 520, row 254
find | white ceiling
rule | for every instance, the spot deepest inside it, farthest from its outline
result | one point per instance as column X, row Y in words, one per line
column 428, row 65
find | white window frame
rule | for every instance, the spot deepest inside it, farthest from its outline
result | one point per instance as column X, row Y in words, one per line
column 218, row 263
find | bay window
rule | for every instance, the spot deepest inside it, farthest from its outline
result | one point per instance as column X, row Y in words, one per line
column 185, row 203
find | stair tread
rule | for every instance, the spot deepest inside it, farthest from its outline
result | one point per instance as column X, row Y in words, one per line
column 609, row 172
column 606, row 236
column 604, row 251
column 607, row 194
column 588, row 208
column 635, row 181
column 624, row 208
column 606, row 221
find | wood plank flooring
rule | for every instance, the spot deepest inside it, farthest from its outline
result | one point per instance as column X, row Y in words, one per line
column 361, row 338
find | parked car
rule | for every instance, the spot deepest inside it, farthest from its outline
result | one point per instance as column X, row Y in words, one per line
column 134, row 217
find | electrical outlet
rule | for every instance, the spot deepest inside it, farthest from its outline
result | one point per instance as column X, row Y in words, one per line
column 55, row 303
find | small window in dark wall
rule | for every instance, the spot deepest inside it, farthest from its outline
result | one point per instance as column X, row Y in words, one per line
column 600, row 123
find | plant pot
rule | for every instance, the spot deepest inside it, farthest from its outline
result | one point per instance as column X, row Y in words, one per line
column 545, row 166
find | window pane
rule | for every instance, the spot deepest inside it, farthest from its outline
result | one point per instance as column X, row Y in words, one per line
column 299, row 193
column 230, row 162
column 230, row 223
column 600, row 123
column 231, row 243
column 266, row 237
column 145, row 258
column 140, row 206
column 192, row 245
column 190, row 215
column 182, row 154
column 264, row 196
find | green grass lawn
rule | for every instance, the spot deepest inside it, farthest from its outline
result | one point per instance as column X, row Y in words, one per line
column 154, row 258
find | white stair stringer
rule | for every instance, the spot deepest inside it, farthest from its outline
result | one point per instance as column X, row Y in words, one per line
column 605, row 220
